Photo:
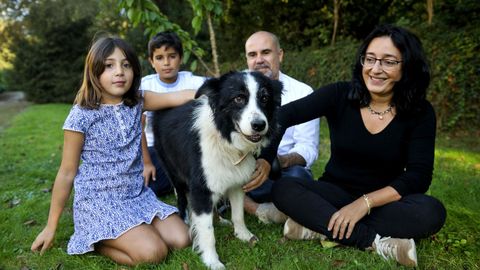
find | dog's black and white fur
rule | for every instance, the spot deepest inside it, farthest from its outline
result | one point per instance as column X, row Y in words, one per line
column 208, row 147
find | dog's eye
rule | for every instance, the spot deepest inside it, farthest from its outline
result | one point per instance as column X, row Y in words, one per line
column 239, row 99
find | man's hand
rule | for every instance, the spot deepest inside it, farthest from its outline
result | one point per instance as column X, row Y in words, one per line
column 262, row 169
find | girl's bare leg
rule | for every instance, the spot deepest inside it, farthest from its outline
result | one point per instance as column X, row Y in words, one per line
column 173, row 231
column 141, row 244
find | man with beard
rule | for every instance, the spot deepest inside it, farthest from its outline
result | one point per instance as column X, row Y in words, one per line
column 298, row 149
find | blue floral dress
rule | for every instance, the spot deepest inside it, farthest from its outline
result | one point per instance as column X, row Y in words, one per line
column 110, row 197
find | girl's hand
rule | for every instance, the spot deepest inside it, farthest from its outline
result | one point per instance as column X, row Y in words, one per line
column 43, row 241
column 262, row 169
column 149, row 171
column 344, row 220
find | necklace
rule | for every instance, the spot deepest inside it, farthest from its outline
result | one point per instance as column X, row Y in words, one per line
column 380, row 114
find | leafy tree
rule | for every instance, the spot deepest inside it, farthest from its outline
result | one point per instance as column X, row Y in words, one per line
column 203, row 10
column 50, row 48
column 147, row 14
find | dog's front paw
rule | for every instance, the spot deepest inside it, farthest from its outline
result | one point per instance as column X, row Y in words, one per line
column 217, row 265
column 211, row 260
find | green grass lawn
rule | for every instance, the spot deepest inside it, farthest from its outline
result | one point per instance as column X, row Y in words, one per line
column 30, row 153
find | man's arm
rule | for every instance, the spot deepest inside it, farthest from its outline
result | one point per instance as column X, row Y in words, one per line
column 305, row 149
column 291, row 159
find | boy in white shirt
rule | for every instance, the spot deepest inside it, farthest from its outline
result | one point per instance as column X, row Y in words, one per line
column 165, row 52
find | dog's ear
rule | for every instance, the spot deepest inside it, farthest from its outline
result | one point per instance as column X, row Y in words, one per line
column 277, row 86
column 208, row 87
column 277, row 92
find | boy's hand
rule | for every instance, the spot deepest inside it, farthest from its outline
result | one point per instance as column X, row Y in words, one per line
column 43, row 241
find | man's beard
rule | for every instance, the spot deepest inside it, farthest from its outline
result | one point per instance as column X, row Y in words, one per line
column 268, row 72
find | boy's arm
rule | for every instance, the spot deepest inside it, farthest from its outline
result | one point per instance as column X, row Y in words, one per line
column 158, row 101
column 73, row 143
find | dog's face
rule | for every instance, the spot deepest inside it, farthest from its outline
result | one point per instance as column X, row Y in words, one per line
column 244, row 105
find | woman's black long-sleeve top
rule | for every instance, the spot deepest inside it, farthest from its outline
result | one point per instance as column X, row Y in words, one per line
column 400, row 156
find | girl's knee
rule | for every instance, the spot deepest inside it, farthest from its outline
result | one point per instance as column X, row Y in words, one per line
column 151, row 252
column 181, row 241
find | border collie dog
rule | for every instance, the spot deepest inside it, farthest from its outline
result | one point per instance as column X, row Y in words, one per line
column 208, row 146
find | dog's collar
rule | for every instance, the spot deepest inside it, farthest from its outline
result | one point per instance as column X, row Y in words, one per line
column 242, row 158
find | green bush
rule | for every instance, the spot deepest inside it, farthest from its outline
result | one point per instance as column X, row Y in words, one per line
column 455, row 66
column 318, row 67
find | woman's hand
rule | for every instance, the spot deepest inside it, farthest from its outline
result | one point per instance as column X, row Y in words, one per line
column 149, row 171
column 344, row 220
column 262, row 169
column 43, row 241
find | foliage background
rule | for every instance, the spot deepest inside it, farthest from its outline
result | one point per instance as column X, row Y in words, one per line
column 42, row 48
column 43, row 43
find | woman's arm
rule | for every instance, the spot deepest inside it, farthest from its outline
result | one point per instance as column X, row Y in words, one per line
column 344, row 220
column 158, row 101
column 418, row 172
column 72, row 147
column 319, row 103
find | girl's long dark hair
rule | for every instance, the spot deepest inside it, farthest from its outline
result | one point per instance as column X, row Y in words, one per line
column 408, row 93
column 90, row 93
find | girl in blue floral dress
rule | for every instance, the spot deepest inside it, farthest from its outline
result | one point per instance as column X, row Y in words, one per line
column 114, row 212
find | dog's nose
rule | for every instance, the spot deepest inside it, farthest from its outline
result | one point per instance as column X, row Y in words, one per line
column 258, row 125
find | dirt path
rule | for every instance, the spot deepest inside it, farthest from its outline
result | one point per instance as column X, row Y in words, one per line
column 11, row 103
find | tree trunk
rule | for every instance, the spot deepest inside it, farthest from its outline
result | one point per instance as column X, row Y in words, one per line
column 336, row 7
column 213, row 43
column 430, row 11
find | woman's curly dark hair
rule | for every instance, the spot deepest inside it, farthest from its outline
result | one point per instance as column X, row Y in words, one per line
column 410, row 91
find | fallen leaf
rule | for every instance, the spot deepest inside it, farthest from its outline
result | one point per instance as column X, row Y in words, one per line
column 14, row 202
column 328, row 244
column 338, row 263
column 30, row 222
column 185, row 266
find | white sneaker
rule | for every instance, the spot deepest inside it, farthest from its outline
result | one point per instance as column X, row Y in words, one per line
column 294, row 231
column 267, row 213
column 401, row 250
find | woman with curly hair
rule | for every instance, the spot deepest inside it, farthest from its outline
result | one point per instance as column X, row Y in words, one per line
column 382, row 132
